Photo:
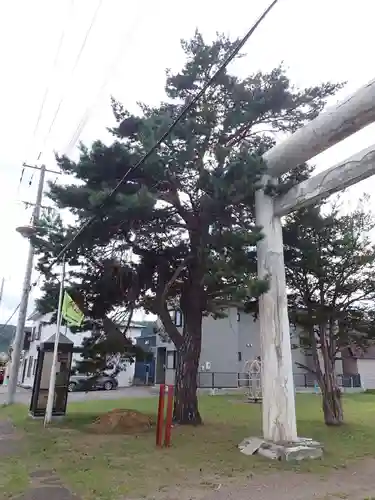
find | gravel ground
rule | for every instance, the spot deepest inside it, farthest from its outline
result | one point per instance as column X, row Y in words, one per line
column 23, row 395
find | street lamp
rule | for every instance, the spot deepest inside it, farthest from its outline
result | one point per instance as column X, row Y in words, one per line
column 27, row 231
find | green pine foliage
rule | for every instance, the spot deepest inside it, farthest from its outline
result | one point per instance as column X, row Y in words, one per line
column 330, row 268
column 180, row 231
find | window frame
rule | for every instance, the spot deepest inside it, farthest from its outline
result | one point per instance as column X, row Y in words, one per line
column 171, row 355
column 38, row 331
column 29, row 366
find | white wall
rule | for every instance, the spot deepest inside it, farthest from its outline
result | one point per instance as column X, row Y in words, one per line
column 366, row 369
column 125, row 377
column 48, row 330
column 248, row 339
column 249, row 343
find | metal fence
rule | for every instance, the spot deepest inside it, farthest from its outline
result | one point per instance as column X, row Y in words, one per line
column 309, row 380
column 232, row 380
column 218, row 380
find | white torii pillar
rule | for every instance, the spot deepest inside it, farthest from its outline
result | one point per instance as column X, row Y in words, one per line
column 329, row 128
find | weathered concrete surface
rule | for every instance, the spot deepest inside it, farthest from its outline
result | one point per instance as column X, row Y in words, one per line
column 333, row 125
column 302, row 448
column 346, row 173
column 249, row 446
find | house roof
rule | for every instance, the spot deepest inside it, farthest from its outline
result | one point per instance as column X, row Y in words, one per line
column 34, row 315
column 62, row 339
column 359, row 353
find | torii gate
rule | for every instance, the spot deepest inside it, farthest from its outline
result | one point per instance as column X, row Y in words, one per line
column 329, row 128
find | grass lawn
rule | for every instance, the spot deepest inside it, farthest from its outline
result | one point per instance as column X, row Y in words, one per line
column 107, row 467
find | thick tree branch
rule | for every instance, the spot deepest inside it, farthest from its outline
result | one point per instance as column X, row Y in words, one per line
column 174, row 277
column 168, row 324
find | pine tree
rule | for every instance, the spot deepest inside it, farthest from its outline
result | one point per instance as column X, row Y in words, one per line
column 185, row 215
column 330, row 268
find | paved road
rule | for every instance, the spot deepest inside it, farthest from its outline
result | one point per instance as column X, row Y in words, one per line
column 23, row 395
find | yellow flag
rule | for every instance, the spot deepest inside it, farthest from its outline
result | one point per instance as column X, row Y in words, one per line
column 71, row 312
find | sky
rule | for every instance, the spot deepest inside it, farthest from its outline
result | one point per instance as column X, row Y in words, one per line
column 61, row 61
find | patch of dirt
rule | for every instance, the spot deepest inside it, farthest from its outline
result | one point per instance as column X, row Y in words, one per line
column 120, row 421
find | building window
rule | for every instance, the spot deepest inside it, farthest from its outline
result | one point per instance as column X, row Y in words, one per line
column 29, row 366
column 32, row 336
column 38, row 331
column 176, row 316
column 34, row 366
column 171, row 360
column 239, row 356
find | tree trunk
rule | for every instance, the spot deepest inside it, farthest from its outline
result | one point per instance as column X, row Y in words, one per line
column 186, row 410
column 331, row 398
column 332, row 407
column 331, row 393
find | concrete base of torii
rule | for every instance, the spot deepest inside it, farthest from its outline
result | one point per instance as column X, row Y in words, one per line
column 302, row 448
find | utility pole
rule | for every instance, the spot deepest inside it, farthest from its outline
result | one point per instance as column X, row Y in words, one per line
column 20, row 330
column 2, row 290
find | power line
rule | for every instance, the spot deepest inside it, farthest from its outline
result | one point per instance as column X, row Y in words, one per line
column 86, row 115
column 57, row 56
column 181, row 115
column 83, row 45
column 33, row 285
column 10, row 318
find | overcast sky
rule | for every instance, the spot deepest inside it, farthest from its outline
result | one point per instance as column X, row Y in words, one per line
column 126, row 53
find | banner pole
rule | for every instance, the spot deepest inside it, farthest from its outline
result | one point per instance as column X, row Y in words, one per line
column 52, row 380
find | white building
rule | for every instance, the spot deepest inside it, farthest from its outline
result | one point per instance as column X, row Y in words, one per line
column 42, row 329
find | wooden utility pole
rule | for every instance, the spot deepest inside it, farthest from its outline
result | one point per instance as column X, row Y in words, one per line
column 20, row 329
column 2, row 289
column 329, row 128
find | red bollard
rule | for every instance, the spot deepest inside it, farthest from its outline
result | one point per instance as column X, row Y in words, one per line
column 168, row 421
column 169, row 415
column 160, row 420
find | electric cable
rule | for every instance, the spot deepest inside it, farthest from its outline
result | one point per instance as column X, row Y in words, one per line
column 10, row 318
column 78, row 58
column 180, row 116
column 86, row 115
column 53, row 70
column 57, row 57
column 33, row 285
